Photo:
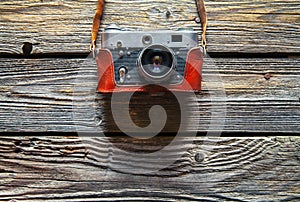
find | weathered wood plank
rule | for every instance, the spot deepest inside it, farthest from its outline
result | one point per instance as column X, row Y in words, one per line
column 105, row 169
column 42, row 95
column 234, row 26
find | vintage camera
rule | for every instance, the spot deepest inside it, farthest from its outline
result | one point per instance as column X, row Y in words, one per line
column 134, row 60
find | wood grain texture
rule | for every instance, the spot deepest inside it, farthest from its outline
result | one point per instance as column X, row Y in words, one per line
column 44, row 95
column 58, row 95
column 234, row 26
column 92, row 169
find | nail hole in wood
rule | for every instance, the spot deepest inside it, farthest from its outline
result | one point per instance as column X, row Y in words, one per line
column 168, row 14
column 199, row 157
column 27, row 48
column 98, row 120
column 267, row 76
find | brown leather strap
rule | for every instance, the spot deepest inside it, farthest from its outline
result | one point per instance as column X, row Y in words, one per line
column 99, row 12
column 203, row 17
column 96, row 23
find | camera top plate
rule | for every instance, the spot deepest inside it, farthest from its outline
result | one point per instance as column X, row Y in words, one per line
column 114, row 38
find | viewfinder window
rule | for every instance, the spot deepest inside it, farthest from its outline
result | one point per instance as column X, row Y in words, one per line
column 176, row 38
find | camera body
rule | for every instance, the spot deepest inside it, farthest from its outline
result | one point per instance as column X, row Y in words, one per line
column 135, row 60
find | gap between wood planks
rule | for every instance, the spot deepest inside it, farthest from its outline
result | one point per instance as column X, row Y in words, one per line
column 210, row 54
column 237, row 134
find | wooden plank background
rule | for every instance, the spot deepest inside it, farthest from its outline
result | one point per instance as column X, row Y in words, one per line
column 234, row 26
column 72, row 169
column 249, row 41
column 38, row 95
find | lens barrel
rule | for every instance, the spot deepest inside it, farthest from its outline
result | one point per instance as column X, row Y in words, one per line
column 156, row 63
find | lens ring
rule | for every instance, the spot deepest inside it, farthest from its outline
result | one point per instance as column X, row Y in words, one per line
column 156, row 63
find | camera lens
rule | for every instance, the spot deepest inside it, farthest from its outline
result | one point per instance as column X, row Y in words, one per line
column 156, row 63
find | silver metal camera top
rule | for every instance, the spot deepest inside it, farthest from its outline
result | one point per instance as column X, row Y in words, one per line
column 115, row 37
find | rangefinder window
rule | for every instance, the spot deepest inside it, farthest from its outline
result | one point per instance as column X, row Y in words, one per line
column 176, row 38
